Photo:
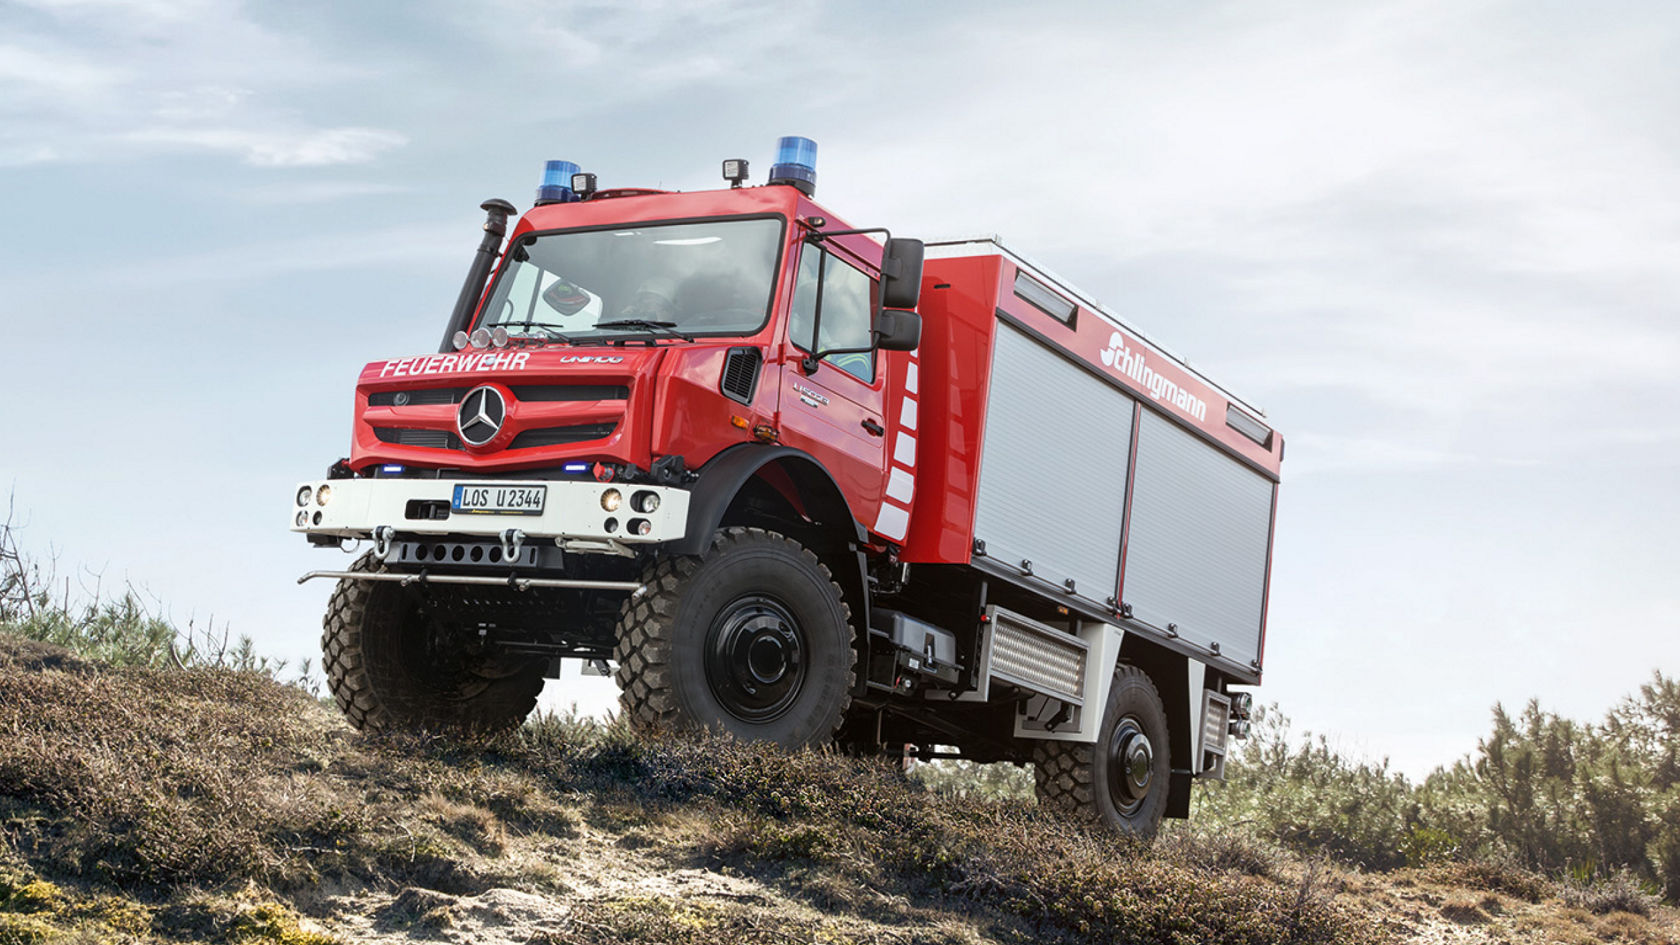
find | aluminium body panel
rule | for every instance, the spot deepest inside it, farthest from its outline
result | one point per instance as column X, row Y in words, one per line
column 1200, row 535
column 1052, row 486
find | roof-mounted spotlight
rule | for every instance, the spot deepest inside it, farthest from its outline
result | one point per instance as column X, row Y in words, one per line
column 583, row 185
column 557, row 183
column 735, row 171
column 796, row 164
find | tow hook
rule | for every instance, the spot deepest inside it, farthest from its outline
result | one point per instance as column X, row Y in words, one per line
column 512, row 538
column 382, row 541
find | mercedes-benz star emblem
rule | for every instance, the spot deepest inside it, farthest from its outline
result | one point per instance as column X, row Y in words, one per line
column 480, row 417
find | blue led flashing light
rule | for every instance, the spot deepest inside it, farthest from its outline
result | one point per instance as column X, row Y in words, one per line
column 576, row 467
column 557, row 183
column 796, row 164
column 391, row 470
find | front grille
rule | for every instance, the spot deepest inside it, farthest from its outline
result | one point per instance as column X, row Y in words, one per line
column 431, row 439
column 430, row 397
column 557, row 436
column 572, row 392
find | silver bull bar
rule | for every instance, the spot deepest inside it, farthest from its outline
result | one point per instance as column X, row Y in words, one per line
column 636, row 588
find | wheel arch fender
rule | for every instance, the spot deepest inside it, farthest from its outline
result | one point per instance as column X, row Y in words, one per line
column 815, row 492
column 722, row 479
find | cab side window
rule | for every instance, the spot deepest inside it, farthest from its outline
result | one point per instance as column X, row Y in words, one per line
column 837, row 302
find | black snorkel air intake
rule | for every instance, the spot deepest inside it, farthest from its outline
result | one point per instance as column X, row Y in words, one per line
column 495, row 227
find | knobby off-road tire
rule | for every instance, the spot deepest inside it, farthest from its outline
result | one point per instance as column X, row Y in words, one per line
column 753, row 638
column 391, row 669
column 1121, row 781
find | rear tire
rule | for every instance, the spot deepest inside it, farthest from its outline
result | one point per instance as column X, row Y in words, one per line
column 753, row 638
column 1121, row 781
column 392, row 668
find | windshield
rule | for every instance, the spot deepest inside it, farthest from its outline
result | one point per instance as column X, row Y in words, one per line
column 698, row 278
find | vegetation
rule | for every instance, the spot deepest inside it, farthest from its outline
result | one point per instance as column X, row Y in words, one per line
column 1595, row 806
column 154, row 787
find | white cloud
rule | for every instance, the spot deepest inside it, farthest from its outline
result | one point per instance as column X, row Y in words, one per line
column 274, row 148
column 96, row 81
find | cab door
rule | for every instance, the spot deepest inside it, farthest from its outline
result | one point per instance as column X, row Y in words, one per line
column 835, row 411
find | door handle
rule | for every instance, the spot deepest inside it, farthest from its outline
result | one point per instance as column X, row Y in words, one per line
column 875, row 429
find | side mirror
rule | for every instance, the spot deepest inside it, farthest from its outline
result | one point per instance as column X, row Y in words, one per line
column 901, row 274
column 898, row 330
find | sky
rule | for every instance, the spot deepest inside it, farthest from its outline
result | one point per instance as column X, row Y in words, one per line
column 1438, row 241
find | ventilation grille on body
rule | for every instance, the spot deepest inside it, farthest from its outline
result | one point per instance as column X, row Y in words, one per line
column 556, row 436
column 417, row 398
column 570, row 392
column 431, row 439
column 740, row 374
column 1037, row 657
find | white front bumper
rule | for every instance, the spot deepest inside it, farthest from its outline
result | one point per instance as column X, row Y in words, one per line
column 356, row 508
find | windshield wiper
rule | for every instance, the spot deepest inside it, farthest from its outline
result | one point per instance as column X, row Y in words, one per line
column 669, row 328
column 549, row 328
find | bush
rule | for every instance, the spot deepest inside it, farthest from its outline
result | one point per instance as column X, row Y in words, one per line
column 1542, row 792
column 123, row 630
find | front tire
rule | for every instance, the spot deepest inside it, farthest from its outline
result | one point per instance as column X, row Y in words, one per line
column 753, row 638
column 390, row 667
column 1122, row 781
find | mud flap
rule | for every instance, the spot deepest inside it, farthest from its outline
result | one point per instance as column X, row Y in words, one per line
column 1178, row 795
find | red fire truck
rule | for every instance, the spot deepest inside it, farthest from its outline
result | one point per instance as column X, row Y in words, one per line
column 802, row 482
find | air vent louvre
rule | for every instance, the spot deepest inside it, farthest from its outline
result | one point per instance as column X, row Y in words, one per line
column 417, row 398
column 556, row 436
column 431, row 439
column 740, row 374
column 551, row 393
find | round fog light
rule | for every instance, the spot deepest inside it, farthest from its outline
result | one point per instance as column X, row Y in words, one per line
column 323, row 494
column 645, row 502
column 610, row 500
column 302, row 519
column 640, row 526
column 610, row 525
column 304, row 492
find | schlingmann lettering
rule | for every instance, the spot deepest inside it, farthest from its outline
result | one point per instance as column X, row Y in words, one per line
column 1132, row 364
column 450, row 363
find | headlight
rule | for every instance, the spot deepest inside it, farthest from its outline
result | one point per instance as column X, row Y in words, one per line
column 640, row 526
column 304, row 492
column 610, row 500
column 644, row 501
column 323, row 494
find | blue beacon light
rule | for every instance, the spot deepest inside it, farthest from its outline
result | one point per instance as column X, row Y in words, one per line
column 557, row 183
column 796, row 164
column 576, row 468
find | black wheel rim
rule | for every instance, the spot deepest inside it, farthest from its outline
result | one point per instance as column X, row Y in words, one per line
column 1131, row 766
column 755, row 658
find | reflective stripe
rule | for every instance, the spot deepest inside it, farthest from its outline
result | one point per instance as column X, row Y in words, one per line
column 893, row 521
column 901, row 485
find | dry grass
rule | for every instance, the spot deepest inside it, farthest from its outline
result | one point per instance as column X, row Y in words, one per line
column 162, row 784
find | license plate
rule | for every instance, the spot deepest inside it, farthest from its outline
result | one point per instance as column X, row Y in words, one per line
column 499, row 500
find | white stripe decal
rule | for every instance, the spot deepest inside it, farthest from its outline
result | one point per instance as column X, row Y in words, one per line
column 901, row 485
column 904, row 450
column 907, row 414
column 893, row 522
column 910, row 378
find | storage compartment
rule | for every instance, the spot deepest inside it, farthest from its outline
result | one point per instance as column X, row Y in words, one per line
column 1201, row 529
column 1053, row 468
